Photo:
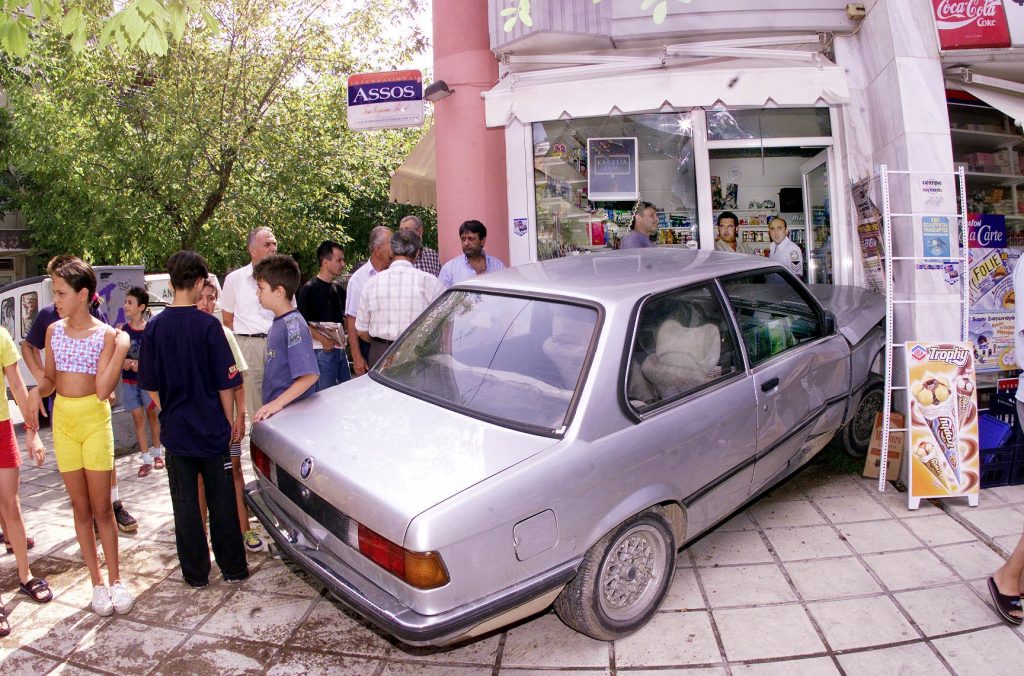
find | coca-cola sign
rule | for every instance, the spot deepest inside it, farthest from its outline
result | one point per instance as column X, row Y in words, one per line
column 971, row 24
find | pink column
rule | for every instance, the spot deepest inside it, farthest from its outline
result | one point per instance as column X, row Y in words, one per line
column 470, row 157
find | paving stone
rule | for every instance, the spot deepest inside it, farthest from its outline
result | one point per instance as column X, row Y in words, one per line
column 415, row 669
column 481, row 651
column 944, row 610
column 332, row 628
column 970, row 560
column 915, row 658
column 896, row 503
column 878, row 536
column 759, row 633
column 859, row 623
column 910, row 570
column 17, row 662
column 209, row 655
column 775, row 513
column 282, row 577
column 730, row 548
column 993, row 652
column 127, row 647
column 150, row 559
column 745, row 585
column 814, row 666
column 56, row 629
column 670, row 639
column 831, row 578
column 546, row 642
column 996, row 521
column 939, row 529
column 684, row 594
column 256, row 617
column 845, row 509
column 740, row 521
column 1010, row 494
column 811, row 542
column 172, row 603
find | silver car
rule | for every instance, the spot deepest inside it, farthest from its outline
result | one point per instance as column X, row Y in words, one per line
column 553, row 433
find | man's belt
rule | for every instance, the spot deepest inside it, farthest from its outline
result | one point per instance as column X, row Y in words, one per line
column 380, row 341
column 251, row 335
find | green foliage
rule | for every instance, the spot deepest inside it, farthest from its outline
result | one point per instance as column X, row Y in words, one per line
column 126, row 158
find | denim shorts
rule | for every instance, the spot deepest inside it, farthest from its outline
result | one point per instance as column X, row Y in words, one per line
column 132, row 397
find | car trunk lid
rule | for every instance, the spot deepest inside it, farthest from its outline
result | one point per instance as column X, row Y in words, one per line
column 382, row 457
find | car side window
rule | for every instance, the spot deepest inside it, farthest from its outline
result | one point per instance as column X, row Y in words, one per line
column 682, row 343
column 772, row 314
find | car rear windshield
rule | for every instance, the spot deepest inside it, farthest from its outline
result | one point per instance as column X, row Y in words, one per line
column 504, row 358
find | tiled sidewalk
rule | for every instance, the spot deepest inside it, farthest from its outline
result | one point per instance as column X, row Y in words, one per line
column 823, row 576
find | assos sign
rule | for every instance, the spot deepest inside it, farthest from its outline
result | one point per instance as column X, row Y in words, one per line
column 385, row 100
column 971, row 24
column 986, row 231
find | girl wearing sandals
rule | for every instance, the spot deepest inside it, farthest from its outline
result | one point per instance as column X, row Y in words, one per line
column 83, row 363
column 10, row 460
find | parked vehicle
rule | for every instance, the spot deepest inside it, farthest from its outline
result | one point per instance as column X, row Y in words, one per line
column 553, row 433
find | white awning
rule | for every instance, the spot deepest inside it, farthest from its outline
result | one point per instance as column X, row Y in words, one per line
column 1004, row 95
column 415, row 182
column 594, row 91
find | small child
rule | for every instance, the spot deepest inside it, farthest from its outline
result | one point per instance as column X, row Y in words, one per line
column 133, row 399
column 187, row 368
column 291, row 372
column 253, row 542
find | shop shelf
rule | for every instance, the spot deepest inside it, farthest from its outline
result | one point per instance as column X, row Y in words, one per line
column 985, row 140
column 979, row 178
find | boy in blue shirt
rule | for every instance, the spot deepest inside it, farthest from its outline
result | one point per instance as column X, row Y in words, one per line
column 291, row 371
column 187, row 368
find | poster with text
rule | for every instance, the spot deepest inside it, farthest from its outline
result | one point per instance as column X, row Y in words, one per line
column 935, row 236
column 990, row 280
column 943, row 450
column 613, row 173
column 992, row 335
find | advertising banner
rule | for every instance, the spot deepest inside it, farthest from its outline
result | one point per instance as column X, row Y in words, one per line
column 986, row 231
column 990, row 279
column 971, row 24
column 612, row 172
column 390, row 100
column 992, row 334
column 943, row 449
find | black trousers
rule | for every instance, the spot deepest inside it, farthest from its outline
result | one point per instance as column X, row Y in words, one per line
column 193, row 553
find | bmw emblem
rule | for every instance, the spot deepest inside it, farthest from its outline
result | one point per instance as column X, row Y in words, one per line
column 306, row 468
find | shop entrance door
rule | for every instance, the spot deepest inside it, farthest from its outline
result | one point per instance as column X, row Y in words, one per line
column 818, row 217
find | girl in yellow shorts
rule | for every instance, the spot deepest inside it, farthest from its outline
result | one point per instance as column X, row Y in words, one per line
column 83, row 363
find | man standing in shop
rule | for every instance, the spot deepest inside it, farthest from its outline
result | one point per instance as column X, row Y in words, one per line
column 427, row 259
column 645, row 224
column 473, row 261
column 783, row 250
column 728, row 225
column 243, row 314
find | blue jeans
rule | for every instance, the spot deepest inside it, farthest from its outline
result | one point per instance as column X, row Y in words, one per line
column 333, row 368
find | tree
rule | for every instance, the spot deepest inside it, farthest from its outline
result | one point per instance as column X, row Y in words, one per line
column 129, row 157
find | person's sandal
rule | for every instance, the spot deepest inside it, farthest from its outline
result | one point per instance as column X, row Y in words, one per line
column 29, row 544
column 5, row 626
column 37, row 589
column 145, row 470
column 1005, row 604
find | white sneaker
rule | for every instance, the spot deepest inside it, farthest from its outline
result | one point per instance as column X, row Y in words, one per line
column 121, row 598
column 101, row 601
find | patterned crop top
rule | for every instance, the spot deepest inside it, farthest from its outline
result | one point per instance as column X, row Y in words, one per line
column 76, row 355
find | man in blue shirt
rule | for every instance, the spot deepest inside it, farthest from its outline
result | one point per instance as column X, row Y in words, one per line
column 473, row 261
column 188, row 370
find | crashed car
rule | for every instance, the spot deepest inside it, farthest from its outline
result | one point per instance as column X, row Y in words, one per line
column 555, row 432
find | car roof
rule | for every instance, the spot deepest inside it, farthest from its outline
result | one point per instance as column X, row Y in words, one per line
column 617, row 276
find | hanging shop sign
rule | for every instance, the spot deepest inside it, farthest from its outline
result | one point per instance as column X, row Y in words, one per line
column 986, row 231
column 944, row 458
column 971, row 24
column 612, row 172
column 390, row 100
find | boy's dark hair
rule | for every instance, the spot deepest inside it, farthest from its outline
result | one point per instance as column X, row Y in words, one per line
column 324, row 251
column 475, row 227
column 185, row 269
column 279, row 270
column 139, row 294
column 57, row 261
column 78, row 274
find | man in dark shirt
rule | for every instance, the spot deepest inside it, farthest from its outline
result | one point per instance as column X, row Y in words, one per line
column 188, row 370
column 321, row 302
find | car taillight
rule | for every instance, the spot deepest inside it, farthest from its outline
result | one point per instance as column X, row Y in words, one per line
column 259, row 459
column 420, row 569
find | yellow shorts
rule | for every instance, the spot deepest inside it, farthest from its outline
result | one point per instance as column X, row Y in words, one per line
column 82, row 435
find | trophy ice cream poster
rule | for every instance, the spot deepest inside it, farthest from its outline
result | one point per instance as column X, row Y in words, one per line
column 943, row 448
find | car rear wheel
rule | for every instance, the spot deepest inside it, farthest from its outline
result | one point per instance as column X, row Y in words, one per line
column 856, row 436
column 622, row 580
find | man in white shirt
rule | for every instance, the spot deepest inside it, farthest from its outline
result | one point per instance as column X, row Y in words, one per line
column 243, row 314
column 395, row 297
column 474, row 260
column 783, row 250
column 380, row 259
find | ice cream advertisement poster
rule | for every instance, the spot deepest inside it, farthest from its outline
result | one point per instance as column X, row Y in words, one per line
column 943, row 448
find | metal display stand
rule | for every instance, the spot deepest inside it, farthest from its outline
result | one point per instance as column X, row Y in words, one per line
column 891, row 302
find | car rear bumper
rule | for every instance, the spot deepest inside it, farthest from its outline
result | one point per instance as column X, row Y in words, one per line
column 380, row 607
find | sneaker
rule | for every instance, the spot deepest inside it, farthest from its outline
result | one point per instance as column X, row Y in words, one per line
column 121, row 598
column 101, row 601
column 158, row 462
column 145, row 469
column 125, row 521
column 252, row 541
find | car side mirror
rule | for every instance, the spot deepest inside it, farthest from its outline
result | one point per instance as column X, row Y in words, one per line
column 830, row 323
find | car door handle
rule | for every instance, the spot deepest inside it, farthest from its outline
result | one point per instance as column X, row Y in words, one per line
column 769, row 384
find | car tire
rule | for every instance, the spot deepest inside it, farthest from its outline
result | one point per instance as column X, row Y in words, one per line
column 856, row 435
column 623, row 579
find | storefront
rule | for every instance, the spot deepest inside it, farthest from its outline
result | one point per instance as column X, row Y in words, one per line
column 748, row 137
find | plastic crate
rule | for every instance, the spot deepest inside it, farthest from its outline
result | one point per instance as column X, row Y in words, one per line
column 992, row 432
column 1003, row 466
column 1003, row 407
